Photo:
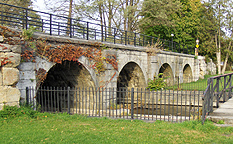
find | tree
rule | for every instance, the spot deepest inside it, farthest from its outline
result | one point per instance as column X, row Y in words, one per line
column 222, row 12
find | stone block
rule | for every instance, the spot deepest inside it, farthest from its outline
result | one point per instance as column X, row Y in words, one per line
column 14, row 59
column 27, row 66
column 27, row 75
column 1, row 39
column 10, row 48
column 1, row 79
column 10, row 76
column 2, row 94
column 22, row 84
column 12, row 95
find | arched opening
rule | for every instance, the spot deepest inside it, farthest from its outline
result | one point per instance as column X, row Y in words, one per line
column 131, row 76
column 167, row 73
column 187, row 74
column 53, row 94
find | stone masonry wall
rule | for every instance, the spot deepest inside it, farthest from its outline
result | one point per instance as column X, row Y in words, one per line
column 9, row 73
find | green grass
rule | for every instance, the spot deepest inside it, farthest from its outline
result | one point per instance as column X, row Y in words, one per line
column 199, row 85
column 64, row 128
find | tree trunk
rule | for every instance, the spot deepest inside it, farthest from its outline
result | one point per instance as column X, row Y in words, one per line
column 218, row 55
column 226, row 59
column 69, row 16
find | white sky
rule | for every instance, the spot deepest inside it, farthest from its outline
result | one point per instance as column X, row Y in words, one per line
column 39, row 5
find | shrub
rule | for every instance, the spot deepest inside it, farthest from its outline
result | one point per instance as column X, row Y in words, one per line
column 14, row 111
column 157, row 83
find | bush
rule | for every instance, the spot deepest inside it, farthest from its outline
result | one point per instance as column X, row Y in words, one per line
column 157, row 83
column 14, row 111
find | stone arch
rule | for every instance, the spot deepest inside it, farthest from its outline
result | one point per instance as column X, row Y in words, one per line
column 131, row 75
column 44, row 64
column 68, row 74
column 167, row 73
column 187, row 74
column 123, row 62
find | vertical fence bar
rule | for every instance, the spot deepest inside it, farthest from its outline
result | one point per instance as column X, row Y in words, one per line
column 153, row 92
column 2, row 17
column 165, row 95
column 169, row 93
column 102, row 35
column 99, row 100
column 141, row 106
column 85, row 98
column 87, row 30
column 125, row 37
column 132, row 102
column 114, row 35
column 144, row 110
column 156, row 107
column 102, row 101
column 137, row 103
column 181, row 105
column 224, row 90
column 173, row 101
column 217, row 96
column 229, row 87
column 50, row 24
column 68, row 94
column 27, row 95
column 148, row 105
column 161, row 94
column 70, row 27
column 26, row 19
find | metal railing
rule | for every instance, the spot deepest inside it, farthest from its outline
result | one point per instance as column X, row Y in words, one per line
column 219, row 89
column 51, row 24
column 127, row 103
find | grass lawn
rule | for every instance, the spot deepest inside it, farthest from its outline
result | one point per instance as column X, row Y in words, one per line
column 63, row 128
column 199, row 85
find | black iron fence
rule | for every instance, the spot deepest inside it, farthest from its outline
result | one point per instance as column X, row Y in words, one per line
column 127, row 103
column 219, row 88
column 51, row 24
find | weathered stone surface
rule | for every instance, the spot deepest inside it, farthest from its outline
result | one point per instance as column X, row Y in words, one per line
column 27, row 75
column 1, row 39
column 2, row 94
column 10, row 48
column 27, row 66
column 22, row 84
column 10, row 76
column 14, row 58
column 12, row 94
column 1, row 79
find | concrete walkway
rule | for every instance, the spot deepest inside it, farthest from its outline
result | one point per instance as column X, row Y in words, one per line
column 224, row 112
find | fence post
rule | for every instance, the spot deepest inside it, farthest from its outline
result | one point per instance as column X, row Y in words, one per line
column 27, row 95
column 132, row 102
column 68, row 94
column 211, row 95
column 217, row 96
column 224, row 90
column 26, row 19
column 70, row 27
column 2, row 17
column 229, row 95
column 135, row 39
column 102, row 33
column 87, row 30
column 125, row 37
column 50, row 24
column 114, row 35
column 42, row 26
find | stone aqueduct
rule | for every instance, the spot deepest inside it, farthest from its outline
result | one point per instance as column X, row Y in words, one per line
column 135, row 67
